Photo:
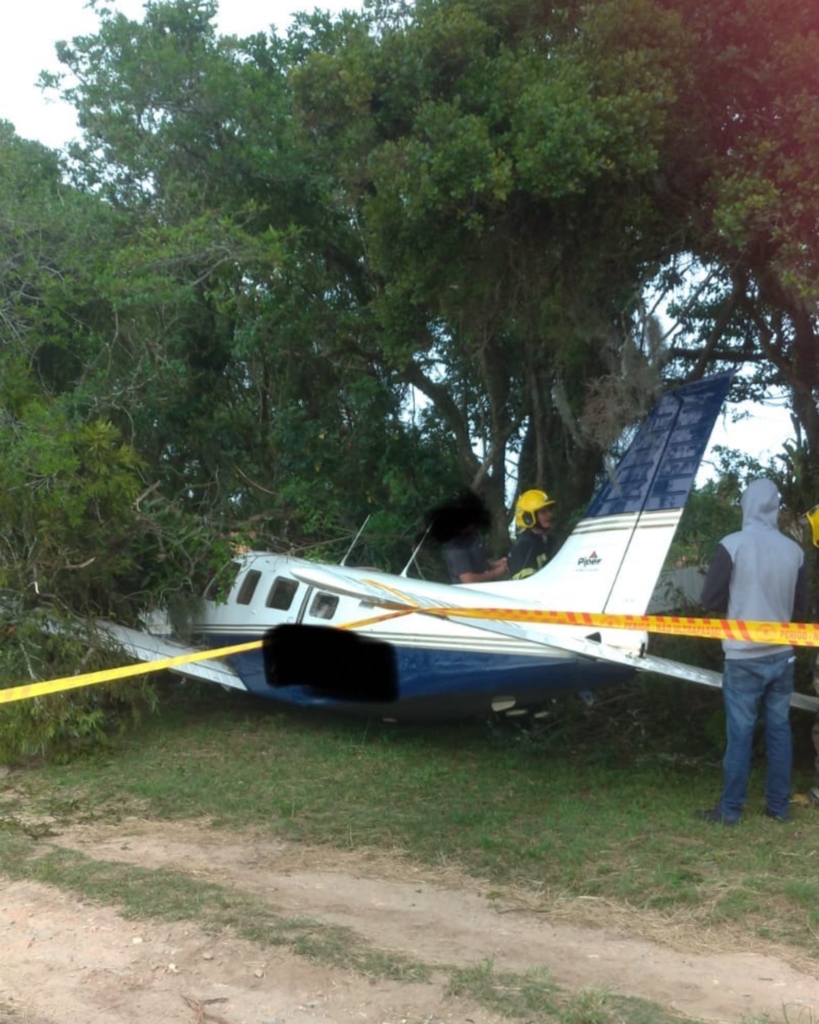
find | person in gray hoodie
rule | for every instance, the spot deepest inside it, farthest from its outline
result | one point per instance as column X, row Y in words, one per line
column 756, row 574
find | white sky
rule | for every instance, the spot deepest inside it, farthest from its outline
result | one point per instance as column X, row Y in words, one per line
column 761, row 435
column 29, row 30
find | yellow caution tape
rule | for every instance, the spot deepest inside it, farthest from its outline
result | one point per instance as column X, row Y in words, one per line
column 110, row 674
column 798, row 634
column 361, row 623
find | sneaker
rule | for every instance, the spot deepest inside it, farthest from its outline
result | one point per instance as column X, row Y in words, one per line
column 714, row 816
column 777, row 817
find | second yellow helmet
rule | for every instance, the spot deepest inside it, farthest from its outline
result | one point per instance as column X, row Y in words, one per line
column 813, row 518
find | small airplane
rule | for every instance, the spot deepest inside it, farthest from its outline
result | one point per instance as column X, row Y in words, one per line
column 362, row 641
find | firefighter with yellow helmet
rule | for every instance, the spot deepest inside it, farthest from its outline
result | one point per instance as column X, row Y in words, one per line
column 535, row 544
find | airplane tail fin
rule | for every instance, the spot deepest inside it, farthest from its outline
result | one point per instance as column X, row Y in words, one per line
column 613, row 558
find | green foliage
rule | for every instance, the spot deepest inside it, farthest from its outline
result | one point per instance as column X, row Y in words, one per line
column 462, row 200
column 488, row 171
column 465, row 200
column 74, row 541
column 61, row 725
column 66, row 503
column 513, row 996
column 73, row 532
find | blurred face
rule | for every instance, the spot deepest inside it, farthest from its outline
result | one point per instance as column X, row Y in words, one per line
column 543, row 517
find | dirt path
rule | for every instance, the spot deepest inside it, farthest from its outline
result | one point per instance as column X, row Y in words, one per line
column 65, row 962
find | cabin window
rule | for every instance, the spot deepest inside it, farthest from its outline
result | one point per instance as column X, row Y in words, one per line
column 323, row 606
column 221, row 584
column 282, row 593
column 248, row 587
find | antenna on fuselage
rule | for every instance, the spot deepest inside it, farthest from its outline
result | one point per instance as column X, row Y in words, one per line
column 452, row 519
column 355, row 540
column 404, row 572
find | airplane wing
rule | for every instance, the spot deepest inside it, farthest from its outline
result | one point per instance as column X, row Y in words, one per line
column 370, row 589
column 146, row 647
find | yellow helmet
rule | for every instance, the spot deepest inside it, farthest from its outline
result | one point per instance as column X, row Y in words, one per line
column 527, row 505
column 813, row 518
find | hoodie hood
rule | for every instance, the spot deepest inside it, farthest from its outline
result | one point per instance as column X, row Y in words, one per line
column 760, row 504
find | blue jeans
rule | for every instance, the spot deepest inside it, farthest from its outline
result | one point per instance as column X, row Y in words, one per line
column 747, row 684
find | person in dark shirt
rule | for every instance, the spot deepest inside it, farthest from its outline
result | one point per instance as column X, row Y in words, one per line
column 535, row 544
column 456, row 524
column 467, row 562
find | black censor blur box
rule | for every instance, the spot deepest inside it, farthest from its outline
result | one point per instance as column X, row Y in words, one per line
column 334, row 662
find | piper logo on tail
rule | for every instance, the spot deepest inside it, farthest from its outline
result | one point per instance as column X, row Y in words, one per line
column 587, row 561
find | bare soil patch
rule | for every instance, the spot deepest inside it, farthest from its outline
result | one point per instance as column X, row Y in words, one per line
column 65, row 961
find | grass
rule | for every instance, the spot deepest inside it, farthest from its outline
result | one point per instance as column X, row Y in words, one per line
column 513, row 995
column 173, row 896
column 577, row 818
column 595, row 806
column 533, row 996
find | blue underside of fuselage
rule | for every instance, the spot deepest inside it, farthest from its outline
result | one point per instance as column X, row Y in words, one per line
column 436, row 684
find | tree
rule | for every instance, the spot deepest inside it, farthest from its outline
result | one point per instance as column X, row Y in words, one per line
column 465, row 201
column 495, row 165
column 747, row 178
column 236, row 288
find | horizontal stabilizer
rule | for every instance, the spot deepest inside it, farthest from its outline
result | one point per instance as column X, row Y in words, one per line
column 679, row 670
column 588, row 648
